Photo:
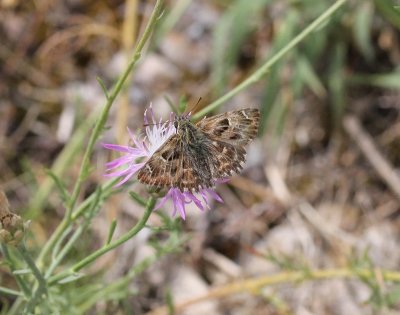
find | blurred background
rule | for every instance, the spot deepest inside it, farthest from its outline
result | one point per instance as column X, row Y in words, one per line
column 320, row 188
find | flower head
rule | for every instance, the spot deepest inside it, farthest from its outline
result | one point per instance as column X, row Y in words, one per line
column 142, row 148
column 12, row 227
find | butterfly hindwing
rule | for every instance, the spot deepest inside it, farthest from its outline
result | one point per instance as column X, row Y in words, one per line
column 226, row 159
column 235, row 127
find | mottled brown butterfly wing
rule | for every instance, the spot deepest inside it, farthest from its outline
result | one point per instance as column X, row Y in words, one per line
column 230, row 132
column 198, row 155
column 162, row 167
column 225, row 159
column 175, row 164
column 235, row 127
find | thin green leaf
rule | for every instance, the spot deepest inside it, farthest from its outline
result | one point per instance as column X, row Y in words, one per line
column 393, row 297
column 170, row 302
column 309, row 76
column 362, row 29
column 103, row 87
column 336, row 84
column 10, row 291
column 60, row 185
column 386, row 80
column 169, row 20
column 270, row 96
column 389, row 11
column 232, row 30
column 139, row 200
column 57, row 246
column 111, row 231
column 182, row 105
column 22, row 271
column 171, row 104
column 71, row 278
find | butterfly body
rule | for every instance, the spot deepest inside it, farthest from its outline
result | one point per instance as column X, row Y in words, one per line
column 198, row 155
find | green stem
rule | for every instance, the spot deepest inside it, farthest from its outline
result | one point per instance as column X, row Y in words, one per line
column 104, row 292
column 31, row 264
column 59, row 231
column 110, row 100
column 60, row 243
column 107, row 189
column 263, row 70
column 95, row 255
column 97, row 131
column 21, row 282
column 61, row 228
column 56, row 261
column 42, row 285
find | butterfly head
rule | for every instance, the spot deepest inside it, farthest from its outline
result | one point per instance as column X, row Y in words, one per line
column 181, row 123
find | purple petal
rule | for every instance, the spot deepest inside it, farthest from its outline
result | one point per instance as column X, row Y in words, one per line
column 152, row 114
column 126, row 178
column 136, row 141
column 116, row 147
column 196, row 201
column 118, row 162
column 117, row 173
column 179, row 203
column 205, row 198
column 131, row 170
column 214, row 195
column 161, row 202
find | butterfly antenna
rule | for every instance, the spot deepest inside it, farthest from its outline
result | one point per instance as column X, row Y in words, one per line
column 197, row 105
column 194, row 108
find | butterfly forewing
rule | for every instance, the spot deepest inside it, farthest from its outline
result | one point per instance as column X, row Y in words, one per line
column 235, row 127
column 198, row 155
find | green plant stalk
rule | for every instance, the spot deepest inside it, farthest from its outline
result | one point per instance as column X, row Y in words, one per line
column 110, row 100
column 97, row 131
column 42, row 285
column 139, row 268
column 32, row 266
column 21, row 282
column 59, row 244
column 107, row 189
column 56, row 261
column 95, row 255
column 63, row 226
column 57, row 254
column 263, row 70
column 173, row 17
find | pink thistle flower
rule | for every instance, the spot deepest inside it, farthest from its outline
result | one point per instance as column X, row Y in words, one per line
column 142, row 148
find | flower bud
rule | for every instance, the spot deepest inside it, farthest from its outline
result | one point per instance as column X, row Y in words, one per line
column 12, row 226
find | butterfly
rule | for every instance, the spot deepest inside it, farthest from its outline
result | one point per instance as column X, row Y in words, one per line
column 199, row 154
